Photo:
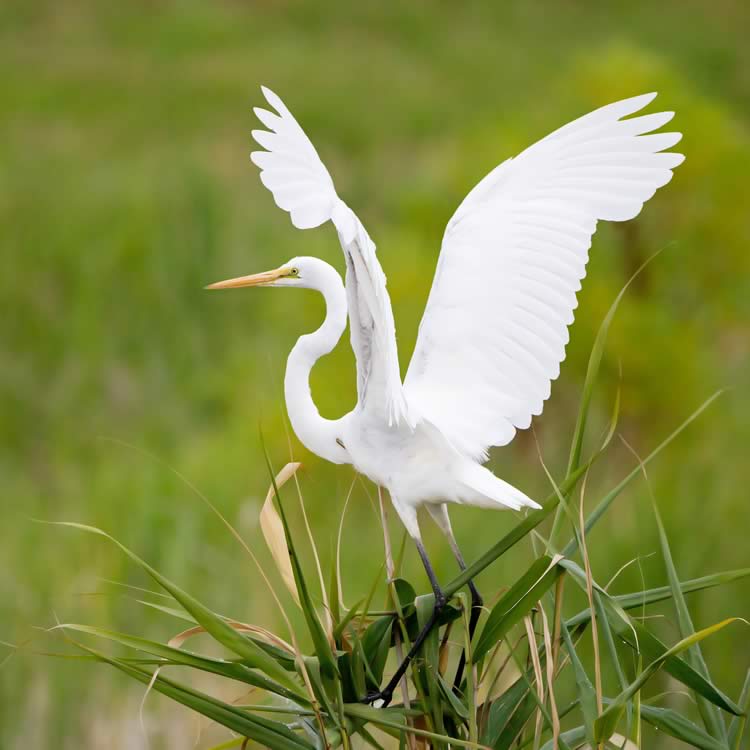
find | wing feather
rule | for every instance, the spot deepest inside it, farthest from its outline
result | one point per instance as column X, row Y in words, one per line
column 513, row 256
column 300, row 183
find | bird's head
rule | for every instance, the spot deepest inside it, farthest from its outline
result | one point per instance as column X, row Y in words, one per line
column 304, row 272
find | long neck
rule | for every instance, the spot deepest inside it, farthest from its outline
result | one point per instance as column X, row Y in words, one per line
column 317, row 434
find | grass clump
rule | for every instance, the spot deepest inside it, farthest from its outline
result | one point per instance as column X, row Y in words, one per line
column 538, row 676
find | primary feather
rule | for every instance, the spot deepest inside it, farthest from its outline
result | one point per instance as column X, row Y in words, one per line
column 494, row 330
column 292, row 170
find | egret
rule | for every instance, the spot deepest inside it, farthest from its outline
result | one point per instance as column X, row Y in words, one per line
column 495, row 326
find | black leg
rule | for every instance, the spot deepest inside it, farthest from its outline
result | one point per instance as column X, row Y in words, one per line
column 476, row 610
column 386, row 694
column 440, row 515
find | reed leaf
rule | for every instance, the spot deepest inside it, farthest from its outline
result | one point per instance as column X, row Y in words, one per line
column 737, row 727
column 676, row 725
column 315, row 627
column 516, row 603
column 662, row 593
column 642, row 641
column 710, row 714
column 272, row 734
column 172, row 656
column 249, row 651
column 606, row 723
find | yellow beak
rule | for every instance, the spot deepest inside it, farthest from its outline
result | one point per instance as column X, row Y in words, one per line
column 256, row 279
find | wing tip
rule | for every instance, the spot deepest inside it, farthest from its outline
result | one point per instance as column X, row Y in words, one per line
column 632, row 104
column 668, row 116
column 274, row 100
column 643, row 100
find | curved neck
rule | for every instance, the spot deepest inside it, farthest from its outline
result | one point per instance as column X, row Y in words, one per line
column 316, row 433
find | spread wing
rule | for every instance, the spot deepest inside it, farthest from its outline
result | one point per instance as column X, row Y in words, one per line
column 292, row 170
column 513, row 255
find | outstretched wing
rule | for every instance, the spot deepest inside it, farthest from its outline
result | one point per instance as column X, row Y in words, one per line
column 292, row 170
column 513, row 255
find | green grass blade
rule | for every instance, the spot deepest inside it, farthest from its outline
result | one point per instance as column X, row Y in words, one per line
column 173, row 611
column 572, row 737
column 525, row 710
column 710, row 714
column 472, row 688
column 652, row 648
column 376, row 642
column 661, row 593
column 318, row 682
column 451, row 699
column 519, row 718
column 737, row 727
column 225, row 634
column 512, row 710
column 501, row 711
column 592, row 370
column 181, row 657
column 348, row 617
column 236, row 742
column 584, row 687
column 269, row 733
column 321, row 644
column 283, row 657
column 606, row 724
column 609, row 641
column 333, row 594
column 368, row 738
column 425, row 666
column 516, row 603
column 642, row 641
column 636, row 730
column 676, row 725
column 380, row 718
column 592, row 373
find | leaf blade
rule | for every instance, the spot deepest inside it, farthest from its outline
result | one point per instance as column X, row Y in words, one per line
column 224, row 633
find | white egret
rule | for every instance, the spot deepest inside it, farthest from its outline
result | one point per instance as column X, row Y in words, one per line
column 496, row 323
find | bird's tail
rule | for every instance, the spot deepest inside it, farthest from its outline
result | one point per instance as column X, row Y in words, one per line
column 489, row 491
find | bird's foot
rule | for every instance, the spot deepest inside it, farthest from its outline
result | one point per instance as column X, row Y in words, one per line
column 378, row 698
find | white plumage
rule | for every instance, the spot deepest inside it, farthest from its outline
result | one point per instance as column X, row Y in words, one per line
column 496, row 323
column 495, row 327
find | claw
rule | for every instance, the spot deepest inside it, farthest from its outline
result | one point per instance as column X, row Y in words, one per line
column 377, row 699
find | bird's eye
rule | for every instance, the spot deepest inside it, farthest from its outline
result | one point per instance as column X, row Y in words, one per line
column 294, row 272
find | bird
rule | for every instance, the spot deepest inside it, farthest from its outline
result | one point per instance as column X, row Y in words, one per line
column 495, row 327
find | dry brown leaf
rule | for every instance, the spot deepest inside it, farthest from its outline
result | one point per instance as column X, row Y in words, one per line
column 178, row 640
column 273, row 530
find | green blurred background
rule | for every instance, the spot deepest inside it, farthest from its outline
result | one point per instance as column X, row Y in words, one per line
column 126, row 186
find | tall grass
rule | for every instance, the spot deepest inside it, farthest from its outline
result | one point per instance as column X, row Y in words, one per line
column 531, row 682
